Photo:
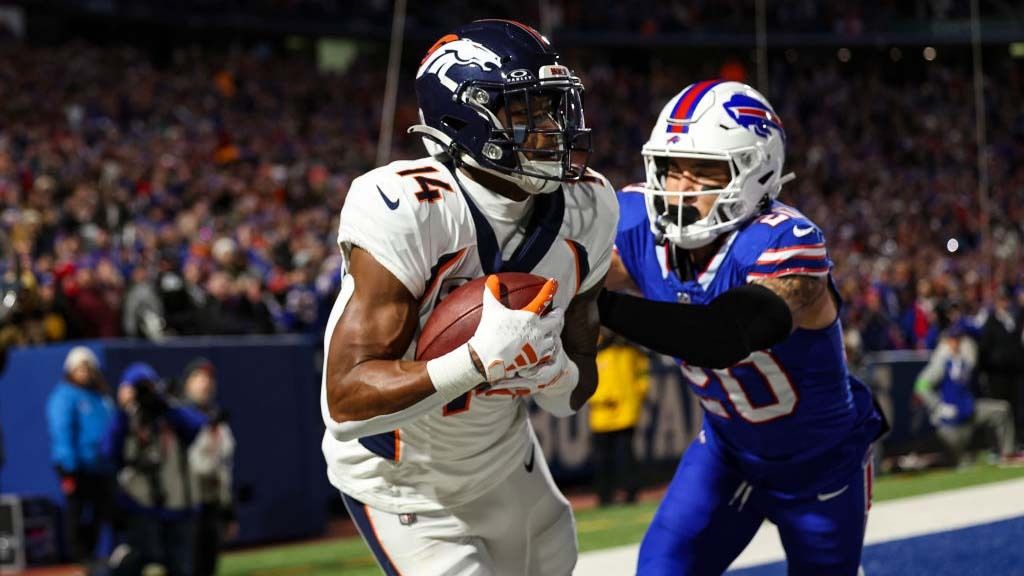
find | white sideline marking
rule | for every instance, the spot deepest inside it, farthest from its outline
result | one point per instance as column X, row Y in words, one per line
column 892, row 520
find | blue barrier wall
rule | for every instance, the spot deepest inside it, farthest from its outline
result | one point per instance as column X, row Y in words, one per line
column 268, row 385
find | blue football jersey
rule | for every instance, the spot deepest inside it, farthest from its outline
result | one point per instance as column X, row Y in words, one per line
column 787, row 403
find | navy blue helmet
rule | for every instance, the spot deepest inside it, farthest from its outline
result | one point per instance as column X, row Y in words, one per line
column 494, row 95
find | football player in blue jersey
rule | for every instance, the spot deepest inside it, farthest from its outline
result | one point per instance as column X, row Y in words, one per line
column 737, row 287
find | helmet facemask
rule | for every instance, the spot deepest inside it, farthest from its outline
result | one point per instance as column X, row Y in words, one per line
column 523, row 112
column 749, row 189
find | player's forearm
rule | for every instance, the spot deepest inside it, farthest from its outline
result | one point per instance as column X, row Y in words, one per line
column 353, row 429
column 376, row 388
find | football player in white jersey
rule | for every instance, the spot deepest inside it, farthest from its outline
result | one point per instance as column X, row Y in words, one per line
column 436, row 461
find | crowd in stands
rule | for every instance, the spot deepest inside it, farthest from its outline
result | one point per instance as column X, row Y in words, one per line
column 202, row 196
column 852, row 18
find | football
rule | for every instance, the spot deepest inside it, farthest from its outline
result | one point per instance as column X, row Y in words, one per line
column 454, row 320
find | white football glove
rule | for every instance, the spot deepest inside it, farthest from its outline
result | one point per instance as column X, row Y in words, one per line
column 505, row 341
column 553, row 377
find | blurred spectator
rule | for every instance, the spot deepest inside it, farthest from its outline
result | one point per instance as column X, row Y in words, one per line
column 143, row 310
column 879, row 330
column 211, row 459
column 955, row 412
column 79, row 412
column 614, row 411
column 1001, row 354
column 149, row 441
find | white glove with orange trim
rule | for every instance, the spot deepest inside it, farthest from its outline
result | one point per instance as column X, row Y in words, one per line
column 550, row 384
column 505, row 342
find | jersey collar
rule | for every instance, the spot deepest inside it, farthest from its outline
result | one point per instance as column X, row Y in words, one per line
column 541, row 232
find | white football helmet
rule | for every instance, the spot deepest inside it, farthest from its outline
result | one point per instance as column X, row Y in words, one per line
column 714, row 120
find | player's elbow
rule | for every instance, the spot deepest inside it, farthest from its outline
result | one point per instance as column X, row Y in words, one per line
column 342, row 424
column 343, row 406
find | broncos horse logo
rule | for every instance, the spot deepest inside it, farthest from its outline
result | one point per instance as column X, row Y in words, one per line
column 753, row 115
column 454, row 51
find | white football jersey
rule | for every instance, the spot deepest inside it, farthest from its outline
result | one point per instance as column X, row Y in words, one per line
column 417, row 221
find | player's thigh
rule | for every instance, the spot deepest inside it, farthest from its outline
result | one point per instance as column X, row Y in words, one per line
column 525, row 522
column 432, row 544
column 823, row 533
column 551, row 526
column 704, row 521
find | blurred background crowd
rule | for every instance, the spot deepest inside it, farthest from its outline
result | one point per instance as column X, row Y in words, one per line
column 199, row 193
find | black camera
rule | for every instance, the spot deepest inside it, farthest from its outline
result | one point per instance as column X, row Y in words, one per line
column 150, row 401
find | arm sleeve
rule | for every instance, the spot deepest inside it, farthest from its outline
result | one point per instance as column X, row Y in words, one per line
column 743, row 320
column 185, row 421
column 924, row 386
column 61, row 422
column 933, row 371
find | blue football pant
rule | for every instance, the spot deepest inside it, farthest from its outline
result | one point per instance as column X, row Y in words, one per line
column 710, row 514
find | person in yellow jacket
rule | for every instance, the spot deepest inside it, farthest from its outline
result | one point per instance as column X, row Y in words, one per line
column 614, row 412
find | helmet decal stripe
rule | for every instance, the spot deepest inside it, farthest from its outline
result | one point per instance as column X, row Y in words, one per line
column 688, row 103
column 440, row 42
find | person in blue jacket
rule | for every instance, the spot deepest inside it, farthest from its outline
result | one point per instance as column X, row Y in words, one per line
column 149, row 442
column 79, row 412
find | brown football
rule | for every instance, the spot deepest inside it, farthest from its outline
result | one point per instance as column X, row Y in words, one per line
column 453, row 322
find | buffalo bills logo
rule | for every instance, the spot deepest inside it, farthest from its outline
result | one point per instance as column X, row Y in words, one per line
column 753, row 115
column 673, row 140
column 457, row 52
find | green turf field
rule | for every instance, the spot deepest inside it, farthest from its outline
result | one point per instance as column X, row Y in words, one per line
column 598, row 528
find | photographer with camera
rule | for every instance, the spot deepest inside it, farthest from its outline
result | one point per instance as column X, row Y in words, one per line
column 149, row 442
column 211, row 459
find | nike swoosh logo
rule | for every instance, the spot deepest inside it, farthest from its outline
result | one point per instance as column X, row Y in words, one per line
column 391, row 204
column 529, row 463
column 801, row 232
column 830, row 495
